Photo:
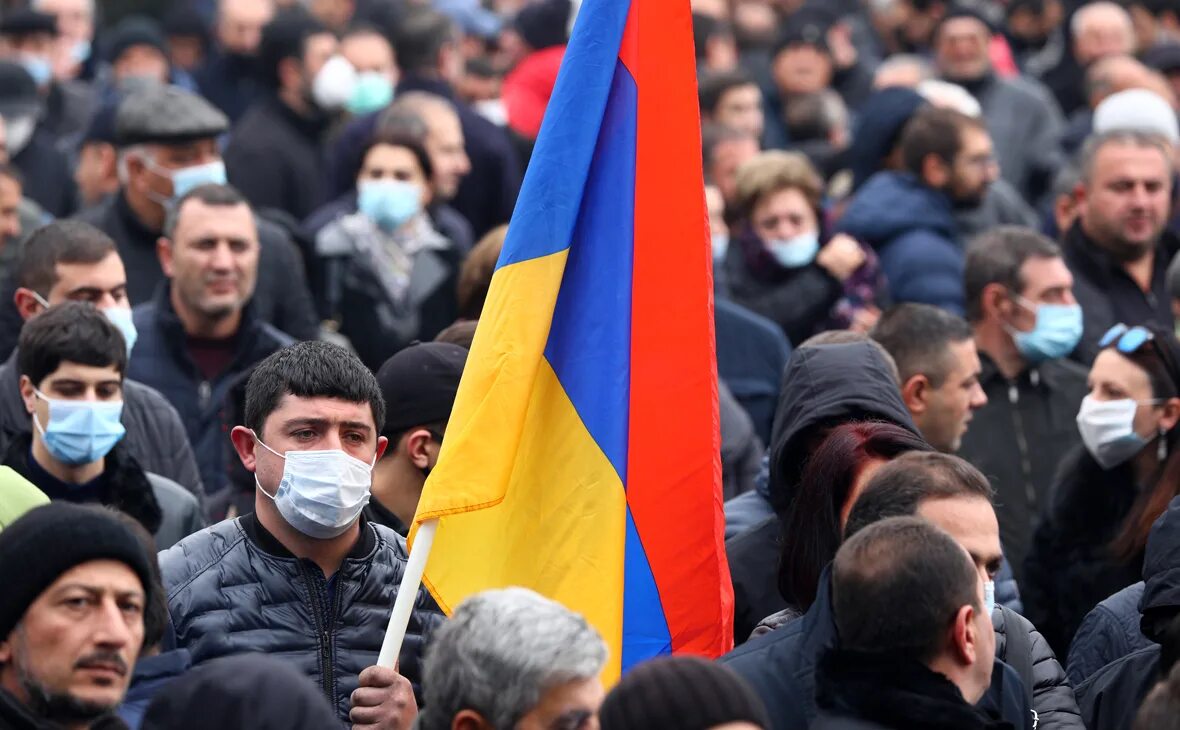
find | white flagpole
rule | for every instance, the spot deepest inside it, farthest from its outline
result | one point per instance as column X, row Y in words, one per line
column 399, row 619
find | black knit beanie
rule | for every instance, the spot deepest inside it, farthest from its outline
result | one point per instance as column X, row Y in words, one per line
column 50, row 540
column 680, row 693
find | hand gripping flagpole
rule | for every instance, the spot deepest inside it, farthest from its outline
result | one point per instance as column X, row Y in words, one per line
column 399, row 619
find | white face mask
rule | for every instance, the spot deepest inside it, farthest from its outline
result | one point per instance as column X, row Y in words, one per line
column 1108, row 430
column 321, row 493
column 334, row 85
column 20, row 132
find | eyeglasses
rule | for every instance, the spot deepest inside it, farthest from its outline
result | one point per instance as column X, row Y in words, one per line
column 1129, row 340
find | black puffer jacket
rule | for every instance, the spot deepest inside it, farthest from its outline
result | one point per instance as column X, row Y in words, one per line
column 234, row 589
column 1070, row 568
column 1052, row 695
column 823, row 386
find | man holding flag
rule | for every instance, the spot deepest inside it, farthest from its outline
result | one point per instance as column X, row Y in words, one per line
column 581, row 458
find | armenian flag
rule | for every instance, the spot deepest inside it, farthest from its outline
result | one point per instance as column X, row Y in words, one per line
column 581, row 459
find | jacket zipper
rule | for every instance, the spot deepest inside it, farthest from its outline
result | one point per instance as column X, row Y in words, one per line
column 1030, row 492
column 315, row 585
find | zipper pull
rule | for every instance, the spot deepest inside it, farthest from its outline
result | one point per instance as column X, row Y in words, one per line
column 1013, row 393
column 204, row 394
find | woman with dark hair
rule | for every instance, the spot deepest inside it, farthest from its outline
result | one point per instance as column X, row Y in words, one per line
column 389, row 276
column 832, row 480
column 1091, row 539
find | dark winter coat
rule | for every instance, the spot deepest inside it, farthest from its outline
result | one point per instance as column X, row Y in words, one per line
column 228, row 81
column 912, row 228
column 15, row 716
column 1043, row 675
column 161, row 359
column 856, row 690
column 1018, row 440
column 781, row 669
column 1028, row 144
column 152, row 674
column 751, row 356
column 48, row 177
column 1069, row 568
column 797, row 300
column 823, row 386
column 281, row 296
column 1109, row 296
column 274, row 158
column 1130, row 620
column 1110, row 698
column 162, row 506
column 234, row 589
column 155, row 437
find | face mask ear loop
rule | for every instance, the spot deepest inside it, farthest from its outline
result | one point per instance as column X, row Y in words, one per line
column 1162, row 452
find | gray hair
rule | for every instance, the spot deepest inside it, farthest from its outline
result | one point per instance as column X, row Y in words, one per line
column 500, row 652
column 138, row 150
column 906, row 60
column 1087, row 12
column 1137, row 138
column 950, row 96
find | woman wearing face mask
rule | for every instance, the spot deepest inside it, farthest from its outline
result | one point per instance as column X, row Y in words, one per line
column 1091, row 539
column 778, row 262
column 388, row 276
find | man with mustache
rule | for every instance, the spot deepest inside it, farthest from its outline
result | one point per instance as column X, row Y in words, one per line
column 1119, row 249
column 200, row 335
column 76, row 582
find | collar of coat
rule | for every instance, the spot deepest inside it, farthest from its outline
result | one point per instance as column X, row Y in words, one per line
column 269, row 544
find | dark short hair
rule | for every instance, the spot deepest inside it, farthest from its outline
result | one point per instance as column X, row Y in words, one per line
column 811, row 528
column 897, row 585
column 705, row 28
column 900, row 487
column 422, row 36
column 69, row 332
column 996, row 257
column 218, row 196
column 714, row 135
column 285, row 37
column 311, row 370
column 917, row 336
column 814, row 116
column 60, row 242
column 405, row 141
column 716, row 85
column 934, row 131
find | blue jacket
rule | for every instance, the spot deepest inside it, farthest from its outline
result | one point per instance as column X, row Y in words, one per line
column 751, row 355
column 161, row 360
column 912, row 227
column 780, row 667
column 151, row 675
column 1126, row 623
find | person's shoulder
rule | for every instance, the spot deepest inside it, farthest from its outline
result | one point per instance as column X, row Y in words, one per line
column 171, row 495
column 767, row 652
column 143, row 396
column 185, row 561
column 390, row 546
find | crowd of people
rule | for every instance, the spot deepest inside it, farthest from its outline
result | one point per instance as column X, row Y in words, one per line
column 244, row 248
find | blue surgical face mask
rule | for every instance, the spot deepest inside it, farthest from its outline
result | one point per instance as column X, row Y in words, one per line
column 1055, row 334
column 720, row 246
column 796, row 252
column 39, row 68
column 186, row 178
column 989, row 596
column 388, row 203
column 80, row 51
column 321, row 493
column 373, row 91
column 80, row 431
column 121, row 318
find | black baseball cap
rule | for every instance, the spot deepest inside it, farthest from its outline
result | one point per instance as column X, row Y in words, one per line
column 419, row 385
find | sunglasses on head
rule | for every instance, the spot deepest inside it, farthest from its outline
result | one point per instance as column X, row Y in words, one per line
column 1129, row 340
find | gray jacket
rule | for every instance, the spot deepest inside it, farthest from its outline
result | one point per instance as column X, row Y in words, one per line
column 182, row 512
column 234, row 589
column 155, row 435
column 1027, row 142
column 1033, row 659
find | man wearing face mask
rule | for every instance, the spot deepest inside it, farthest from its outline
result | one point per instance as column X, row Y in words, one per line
column 33, row 40
column 71, row 261
column 371, row 54
column 1020, row 304
column 419, row 385
column 48, row 178
column 167, row 146
column 274, row 154
column 72, row 363
column 323, row 576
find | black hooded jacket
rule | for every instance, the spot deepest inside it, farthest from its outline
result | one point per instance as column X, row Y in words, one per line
column 1113, row 694
column 823, row 386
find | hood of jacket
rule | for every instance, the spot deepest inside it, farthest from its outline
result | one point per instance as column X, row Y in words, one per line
column 1161, row 571
column 827, row 385
column 893, row 203
column 882, row 117
column 251, row 690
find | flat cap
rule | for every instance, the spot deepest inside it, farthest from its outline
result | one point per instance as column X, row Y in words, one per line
column 18, row 91
column 28, row 22
column 166, row 115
